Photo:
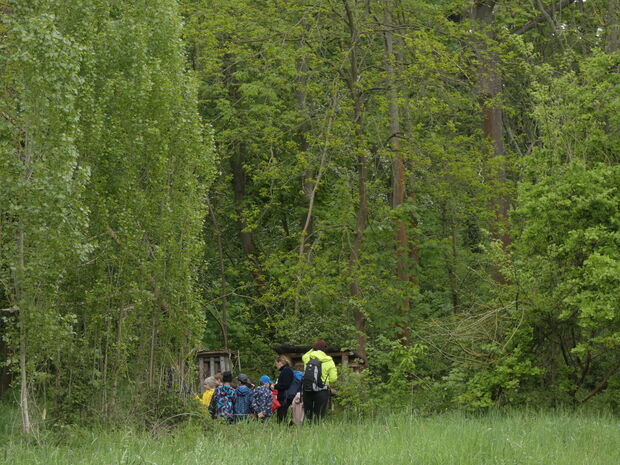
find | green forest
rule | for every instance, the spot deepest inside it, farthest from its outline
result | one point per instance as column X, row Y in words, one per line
column 432, row 184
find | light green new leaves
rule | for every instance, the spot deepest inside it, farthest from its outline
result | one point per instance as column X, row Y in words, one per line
column 44, row 216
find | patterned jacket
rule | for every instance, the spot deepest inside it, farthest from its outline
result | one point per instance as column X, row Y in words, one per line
column 224, row 395
column 261, row 401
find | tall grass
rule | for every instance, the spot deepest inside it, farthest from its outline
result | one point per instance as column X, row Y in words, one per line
column 455, row 438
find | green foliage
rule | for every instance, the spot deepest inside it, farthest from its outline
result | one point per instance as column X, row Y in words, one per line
column 101, row 139
column 568, row 221
column 126, row 243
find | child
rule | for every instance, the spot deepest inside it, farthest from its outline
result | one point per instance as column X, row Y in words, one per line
column 223, row 396
column 242, row 398
column 210, row 384
column 297, row 409
column 263, row 399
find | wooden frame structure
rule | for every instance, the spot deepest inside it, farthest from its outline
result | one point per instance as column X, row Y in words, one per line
column 211, row 362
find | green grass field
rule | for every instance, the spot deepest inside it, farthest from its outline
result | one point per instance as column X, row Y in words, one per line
column 454, row 438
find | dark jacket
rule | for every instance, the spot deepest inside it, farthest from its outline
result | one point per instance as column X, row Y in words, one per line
column 242, row 401
column 262, row 401
column 285, row 380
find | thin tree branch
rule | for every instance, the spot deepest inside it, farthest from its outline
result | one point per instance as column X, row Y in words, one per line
column 600, row 385
column 543, row 16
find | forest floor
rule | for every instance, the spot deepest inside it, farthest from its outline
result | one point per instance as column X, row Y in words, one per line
column 518, row 437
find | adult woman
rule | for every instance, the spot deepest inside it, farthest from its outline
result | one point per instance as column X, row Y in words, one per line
column 316, row 398
column 286, row 378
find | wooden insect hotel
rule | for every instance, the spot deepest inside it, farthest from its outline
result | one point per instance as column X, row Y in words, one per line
column 211, row 362
column 346, row 359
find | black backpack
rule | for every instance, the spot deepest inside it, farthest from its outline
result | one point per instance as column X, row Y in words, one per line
column 312, row 380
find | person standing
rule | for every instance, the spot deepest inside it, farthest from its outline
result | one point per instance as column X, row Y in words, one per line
column 286, row 378
column 209, row 385
column 319, row 373
column 223, row 396
column 262, row 400
column 242, row 398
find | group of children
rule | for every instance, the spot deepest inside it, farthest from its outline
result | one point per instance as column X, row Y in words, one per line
column 244, row 400
column 233, row 402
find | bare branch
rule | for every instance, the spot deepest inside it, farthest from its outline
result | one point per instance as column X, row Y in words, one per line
column 543, row 16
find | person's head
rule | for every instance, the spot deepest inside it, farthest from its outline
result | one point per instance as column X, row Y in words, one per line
column 210, row 383
column 219, row 378
column 283, row 360
column 319, row 345
column 227, row 377
column 243, row 379
column 265, row 380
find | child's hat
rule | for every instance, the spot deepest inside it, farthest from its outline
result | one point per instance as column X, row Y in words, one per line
column 243, row 378
column 265, row 379
column 227, row 377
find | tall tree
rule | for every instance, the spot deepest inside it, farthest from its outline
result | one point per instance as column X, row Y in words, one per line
column 42, row 210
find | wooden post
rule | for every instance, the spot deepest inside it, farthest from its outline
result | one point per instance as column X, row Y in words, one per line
column 345, row 361
column 201, row 374
column 223, row 364
column 212, row 366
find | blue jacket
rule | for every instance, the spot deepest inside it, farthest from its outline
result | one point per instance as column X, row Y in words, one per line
column 242, row 401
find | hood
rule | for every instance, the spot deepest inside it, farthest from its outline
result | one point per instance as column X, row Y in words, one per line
column 320, row 355
column 243, row 390
column 226, row 389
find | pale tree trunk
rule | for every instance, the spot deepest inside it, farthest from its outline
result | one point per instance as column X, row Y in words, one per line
column 154, row 325
column 398, row 173
column 307, row 220
column 23, row 305
column 23, row 323
column 362, row 170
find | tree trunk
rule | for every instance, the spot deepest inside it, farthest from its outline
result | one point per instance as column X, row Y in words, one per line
column 613, row 39
column 398, row 174
column 490, row 86
column 239, row 181
column 152, row 348
column 451, row 255
column 307, row 220
column 414, row 249
column 23, row 324
column 223, row 320
column 362, row 170
column 248, row 245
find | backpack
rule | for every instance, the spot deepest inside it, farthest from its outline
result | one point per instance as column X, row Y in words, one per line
column 312, row 379
column 293, row 389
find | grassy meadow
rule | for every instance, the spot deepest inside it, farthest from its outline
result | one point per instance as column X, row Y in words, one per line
column 513, row 438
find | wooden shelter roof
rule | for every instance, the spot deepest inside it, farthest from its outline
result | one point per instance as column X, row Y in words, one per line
column 293, row 349
column 204, row 352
